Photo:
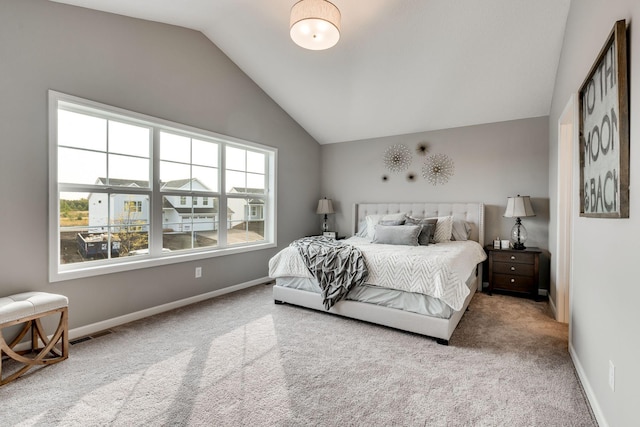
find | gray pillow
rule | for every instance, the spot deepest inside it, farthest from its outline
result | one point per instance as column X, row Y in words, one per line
column 392, row 222
column 426, row 234
column 428, row 228
column 397, row 235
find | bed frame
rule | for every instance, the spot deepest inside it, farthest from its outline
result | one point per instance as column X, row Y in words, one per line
column 438, row 328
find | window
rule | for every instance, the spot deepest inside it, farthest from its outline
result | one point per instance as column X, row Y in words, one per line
column 133, row 206
column 128, row 188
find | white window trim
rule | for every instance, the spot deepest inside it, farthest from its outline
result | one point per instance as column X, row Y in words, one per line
column 60, row 272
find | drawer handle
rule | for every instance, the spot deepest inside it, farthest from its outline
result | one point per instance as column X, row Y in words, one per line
column 513, row 257
column 513, row 269
column 513, row 280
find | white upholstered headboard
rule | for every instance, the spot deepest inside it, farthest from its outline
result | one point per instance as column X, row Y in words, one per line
column 471, row 212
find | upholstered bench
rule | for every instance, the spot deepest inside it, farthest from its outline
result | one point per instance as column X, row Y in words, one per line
column 29, row 308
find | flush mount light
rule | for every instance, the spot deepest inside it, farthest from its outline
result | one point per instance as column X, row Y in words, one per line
column 315, row 24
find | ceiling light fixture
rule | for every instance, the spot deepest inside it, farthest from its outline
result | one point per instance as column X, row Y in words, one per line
column 315, row 24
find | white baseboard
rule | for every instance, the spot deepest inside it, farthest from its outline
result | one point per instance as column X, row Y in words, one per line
column 92, row 328
column 591, row 397
column 121, row 320
column 552, row 305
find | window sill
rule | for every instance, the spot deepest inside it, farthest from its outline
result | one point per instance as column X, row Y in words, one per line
column 147, row 262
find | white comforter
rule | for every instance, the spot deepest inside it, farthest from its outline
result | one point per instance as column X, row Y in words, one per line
column 438, row 270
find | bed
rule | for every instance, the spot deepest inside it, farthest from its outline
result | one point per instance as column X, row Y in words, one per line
column 391, row 298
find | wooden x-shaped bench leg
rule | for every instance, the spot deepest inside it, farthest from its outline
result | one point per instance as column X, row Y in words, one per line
column 45, row 355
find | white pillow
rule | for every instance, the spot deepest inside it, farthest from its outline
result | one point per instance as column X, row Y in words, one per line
column 372, row 220
column 362, row 229
column 444, row 228
column 461, row 230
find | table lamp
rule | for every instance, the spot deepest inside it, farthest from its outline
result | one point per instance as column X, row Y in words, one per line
column 518, row 207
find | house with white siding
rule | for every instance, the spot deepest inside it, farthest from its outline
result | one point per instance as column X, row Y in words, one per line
column 179, row 212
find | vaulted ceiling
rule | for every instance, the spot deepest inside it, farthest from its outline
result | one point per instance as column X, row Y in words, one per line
column 401, row 66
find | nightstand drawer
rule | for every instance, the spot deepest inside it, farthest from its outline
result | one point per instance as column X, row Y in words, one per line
column 513, row 269
column 512, row 283
column 513, row 257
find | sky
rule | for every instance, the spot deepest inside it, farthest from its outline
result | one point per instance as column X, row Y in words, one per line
column 91, row 147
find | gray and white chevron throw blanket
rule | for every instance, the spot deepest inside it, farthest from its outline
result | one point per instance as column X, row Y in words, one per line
column 336, row 266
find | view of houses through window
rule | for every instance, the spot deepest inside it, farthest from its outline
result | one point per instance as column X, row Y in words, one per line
column 210, row 193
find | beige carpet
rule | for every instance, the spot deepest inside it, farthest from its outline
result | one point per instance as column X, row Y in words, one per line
column 240, row 360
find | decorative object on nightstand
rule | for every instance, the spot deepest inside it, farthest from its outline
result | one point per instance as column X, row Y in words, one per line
column 325, row 207
column 518, row 207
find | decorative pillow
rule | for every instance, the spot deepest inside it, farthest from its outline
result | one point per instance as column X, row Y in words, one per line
column 426, row 234
column 428, row 228
column 391, row 222
column 461, row 230
column 444, row 228
column 397, row 235
column 372, row 220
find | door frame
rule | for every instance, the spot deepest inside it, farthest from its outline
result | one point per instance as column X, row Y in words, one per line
column 567, row 143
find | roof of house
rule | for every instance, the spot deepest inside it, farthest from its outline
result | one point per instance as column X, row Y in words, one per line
column 123, row 182
column 247, row 190
column 166, row 204
column 176, row 183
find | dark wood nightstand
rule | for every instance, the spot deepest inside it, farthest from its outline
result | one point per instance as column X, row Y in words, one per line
column 516, row 271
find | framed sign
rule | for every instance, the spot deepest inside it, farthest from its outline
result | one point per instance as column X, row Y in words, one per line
column 604, row 131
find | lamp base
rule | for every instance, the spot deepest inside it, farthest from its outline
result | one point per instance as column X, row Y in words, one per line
column 325, row 224
column 518, row 235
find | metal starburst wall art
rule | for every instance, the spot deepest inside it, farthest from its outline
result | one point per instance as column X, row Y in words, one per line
column 397, row 158
column 422, row 149
column 437, row 169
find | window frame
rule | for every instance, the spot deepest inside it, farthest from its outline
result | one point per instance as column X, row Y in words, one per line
column 156, row 256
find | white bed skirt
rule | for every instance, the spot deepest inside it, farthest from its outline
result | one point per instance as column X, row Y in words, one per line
column 441, row 329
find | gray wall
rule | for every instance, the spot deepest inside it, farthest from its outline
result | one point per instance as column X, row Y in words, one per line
column 604, row 287
column 492, row 161
column 156, row 69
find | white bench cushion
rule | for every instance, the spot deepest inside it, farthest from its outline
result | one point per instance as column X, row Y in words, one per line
column 27, row 304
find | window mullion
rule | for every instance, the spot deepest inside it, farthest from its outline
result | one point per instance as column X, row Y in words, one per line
column 155, row 232
column 223, row 222
column 108, row 154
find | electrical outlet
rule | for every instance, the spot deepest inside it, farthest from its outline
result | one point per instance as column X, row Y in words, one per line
column 612, row 376
column 198, row 272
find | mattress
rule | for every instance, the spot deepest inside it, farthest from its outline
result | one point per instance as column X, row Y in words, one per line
column 391, row 298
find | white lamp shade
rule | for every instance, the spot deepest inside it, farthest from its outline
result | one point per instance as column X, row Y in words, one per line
column 315, row 24
column 325, row 206
column 519, row 207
